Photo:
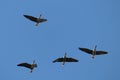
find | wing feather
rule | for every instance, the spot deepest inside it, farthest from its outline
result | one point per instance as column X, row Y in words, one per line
column 101, row 52
column 25, row 65
column 58, row 60
column 86, row 50
column 71, row 60
column 30, row 18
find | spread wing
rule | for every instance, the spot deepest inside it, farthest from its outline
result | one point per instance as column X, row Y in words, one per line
column 71, row 60
column 86, row 50
column 43, row 20
column 25, row 65
column 58, row 60
column 101, row 52
column 31, row 18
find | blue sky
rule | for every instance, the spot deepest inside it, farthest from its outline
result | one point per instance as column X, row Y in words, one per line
column 71, row 24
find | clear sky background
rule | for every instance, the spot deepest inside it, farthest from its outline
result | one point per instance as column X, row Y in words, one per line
column 71, row 24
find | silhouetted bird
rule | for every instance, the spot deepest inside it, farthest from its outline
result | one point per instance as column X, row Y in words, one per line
column 37, row 20
column 65, row 59
column 30, row 66
column 93, row 52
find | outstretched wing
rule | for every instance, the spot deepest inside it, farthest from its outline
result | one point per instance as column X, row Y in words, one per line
column 31, row 18
column 58, row 60
column 25, row 65
column 101, row 52
column 86, row 50
column 71, row 60
column 43, row 20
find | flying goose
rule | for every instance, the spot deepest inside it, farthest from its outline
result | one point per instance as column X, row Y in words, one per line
column 93, row 52
column 27, row 65
column 37, row 20
column 65, row 59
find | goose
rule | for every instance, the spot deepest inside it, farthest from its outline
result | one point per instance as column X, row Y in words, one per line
column 34, row 19
column 65, row 59
column 27, row 65
column 93, row 52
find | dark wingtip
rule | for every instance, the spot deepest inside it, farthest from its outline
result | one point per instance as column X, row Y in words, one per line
column 54, row 61
column 79, row 48
column 106, row 52
column 18, row 65
column 77, row 60
column 24, row 15
column 46, row 20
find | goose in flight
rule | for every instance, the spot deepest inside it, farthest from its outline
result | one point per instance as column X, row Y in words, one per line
column 93, row 52
column 27, row 65
column 65, row 59
column 36, row 20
